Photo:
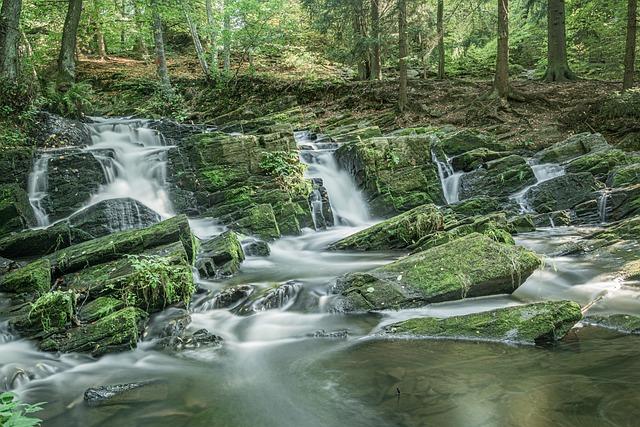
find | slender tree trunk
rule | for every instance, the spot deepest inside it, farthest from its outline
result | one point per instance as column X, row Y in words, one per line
column 213, row 35
column 557, row 66
column 402, row 62
column 376, row 61
column 161, row 60
column 100, row 44
column 29, row 53
column 9, row 39
column 360, row 50
column 196, row 42
column 140, row 48
column 440, row 29
column 630, row 55
column 123, row 16
column 501, row 83
column 66, row 59
column 226, row 40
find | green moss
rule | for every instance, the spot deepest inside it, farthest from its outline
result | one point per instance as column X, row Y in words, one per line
column 54, row 310
column 220, row 256
column 15, row 211
column 259, row 221
column 219, row 178
column 39, row 242
column 572, row 147
column 536, row 323
column 500, row 177
column 459, row 142
column 620, row 322
column 99, row 308
column 599, row 163
column 34, row 278
column 626, row 175
column 522, row 223
column 481, row 205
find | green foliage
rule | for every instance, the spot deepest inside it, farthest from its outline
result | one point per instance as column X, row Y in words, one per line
column 54, row 310
column 285, row 166
column 163, row 103
column 73, row 100
column 13, row 413
column 626, row 104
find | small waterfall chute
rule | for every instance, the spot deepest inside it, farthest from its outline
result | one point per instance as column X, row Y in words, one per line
column 449, row 178
column 543, row 172
column 602, row 206
column 38, row 187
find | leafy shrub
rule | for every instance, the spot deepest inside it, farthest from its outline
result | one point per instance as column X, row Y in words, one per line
column 164, row 103
column 13, row 413
column 74, row 100
column 16, row 97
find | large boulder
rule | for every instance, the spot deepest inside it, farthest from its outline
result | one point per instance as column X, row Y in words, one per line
column 109, row 216
column 537, row 323
column 220, row 257
column 572, row 147
column 398, row 232
column 600, row 163
column 563, row 192
column 55, row 131
column 624, row 323
column 626, row 175
column 474, row 159
column 497, row 178
column 622, row 202
column 41, row 241
column 471, row 266
column 15, row 165
column 16, row 212
column 480, row 205
column 395, row 173
column 457, row 143
column 259, row 221
column 33, row 278
column 51, row 312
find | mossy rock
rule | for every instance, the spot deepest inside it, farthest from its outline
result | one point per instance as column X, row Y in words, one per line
column 563, row 192
column 625, row 323
column 398, row 232
column 623, row 202
column 480, row 205
column 15, row 165
column 220, row 257
column 474, row 159
column 522, row 223
column 99, row 308
column 600, row 163
column 109, row 216
column 359, row 134
column 33, row 278
column 471, row 266
column 119, row 331
column 572, row 147
column 460, row 142
column 41, row 241
column 537, row 323
column 626, row 175
column 15, row 210
column 51, row 312
column 259, row 221
column 498, row 178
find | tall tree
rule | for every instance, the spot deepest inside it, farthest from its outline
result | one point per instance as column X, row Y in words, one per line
column 67, row 56
column 161, row 59
column 9, row 38
column 99, row 34
column 140, row 47
column 440, row 30
column 501, row 82
column 630, row 54
column 226, row 38
column 557, row 65
column 360, row 50
column 196, row 41
column 213, row 35
column 376, row 61
column 402, row 62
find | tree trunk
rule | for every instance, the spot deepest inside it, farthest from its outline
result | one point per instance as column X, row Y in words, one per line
column 9, row 39
column 440, row 29
column 213, row 35
column 376, row 61
column 501, row 83
column 123, row 16
column 402, row 62
column 66, row 59
column 161, row 59
column 557, row 66
column 29, row 53
column 197, row 44
column 226, row 41
column 630, row 55
column 100, row 44
column 360, row 50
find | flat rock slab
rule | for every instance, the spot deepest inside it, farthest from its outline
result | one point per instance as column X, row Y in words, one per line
column 131, row 393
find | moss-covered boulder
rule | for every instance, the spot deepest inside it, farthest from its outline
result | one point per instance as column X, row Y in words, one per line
column 119, row 331
column 398, row 232
column 51, row 312
column 109, row 216
column 358, row 134
column 538, row 323
column 117, row 245
column 522, row 223
column 563, row 192
column 33, row 278
column 395, row 173
column 457, row 143
column 15, row 210
column 474, row 159
column 220, row 257
column 41, row 241
column 497, row 178
column 259, row 221
column 626, row 175
column 471, row 266
column 625, row 323
column 623, row 202
column 15, row 165
column 480, row 205
column 572, row 147
column 599, row 163
column 99, row 308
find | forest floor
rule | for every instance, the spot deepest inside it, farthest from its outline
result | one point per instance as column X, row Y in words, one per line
column 547, row 112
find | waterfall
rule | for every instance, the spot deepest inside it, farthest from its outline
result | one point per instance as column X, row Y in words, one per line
column 543, row 172
column 37, row 186
column 449, row 178
column 347, row 202
column 602, row 206
column 134, row 159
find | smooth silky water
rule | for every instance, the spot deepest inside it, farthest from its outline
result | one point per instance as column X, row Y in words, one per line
column 271, row 372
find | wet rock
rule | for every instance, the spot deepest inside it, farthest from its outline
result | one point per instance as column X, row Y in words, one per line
column 563, row 192
column 587, row 213
column 599, row 163
column 623, row 203
column 320, row 205
column 395, row 173
column 480, row 205
column 497, row 178
column 56, row 131
column 220, row 257
column 131, row 393
column 110, row 216
column 119, row 331
column 200, row 338
column 321, row 333
column 259, row 221
column 230, row 297
column 33, row 278
column 278, row 296
column 99, row 308
column 460, row 142
column 359, row 134
column 398, row 232
column 7, row 266
column 73, row 177
column 625, row 323
column 51, row 312
column 474, row 159
column 626, row 175
column 471, row 266
column 41, row 241
column 572, row 147
column 15, row 165
column 553, row 219
column 257, row 248
column 522, row 223
column 15, row 211
column 537, row 323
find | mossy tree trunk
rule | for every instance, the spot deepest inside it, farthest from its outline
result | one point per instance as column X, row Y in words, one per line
column 630, row 55
column 67, row 56
column 9, row 38
column 376, row 61
column 197, row 44
column 161, row 59
column 557, row 65
column 501, row 81
column 440, row 29
column 402, row 61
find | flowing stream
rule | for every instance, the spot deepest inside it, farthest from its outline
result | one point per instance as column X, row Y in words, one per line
column 283, row 366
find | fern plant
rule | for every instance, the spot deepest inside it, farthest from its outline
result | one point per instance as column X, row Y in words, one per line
column 14, row 413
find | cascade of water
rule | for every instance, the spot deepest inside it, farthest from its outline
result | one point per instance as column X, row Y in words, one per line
column 543, row 172
column 133, row 158
column 602, row 206
column 347, row 202
column 316, row 207
column 37, row 186
column 449, row 179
